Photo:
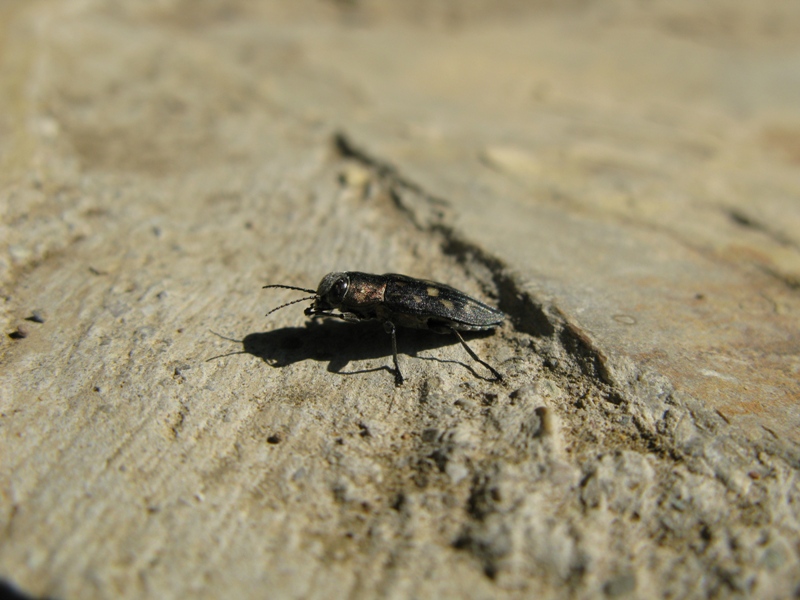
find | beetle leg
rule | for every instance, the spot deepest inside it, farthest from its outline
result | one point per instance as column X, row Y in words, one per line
column 392, row 330
column 497, row 375
column 349, row 317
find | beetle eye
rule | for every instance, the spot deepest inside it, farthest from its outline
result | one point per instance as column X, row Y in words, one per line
column 338, row 291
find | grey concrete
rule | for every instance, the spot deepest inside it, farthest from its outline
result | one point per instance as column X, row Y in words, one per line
column 620, row 179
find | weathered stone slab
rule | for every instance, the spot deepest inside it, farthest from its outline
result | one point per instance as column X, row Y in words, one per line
column 620, row 180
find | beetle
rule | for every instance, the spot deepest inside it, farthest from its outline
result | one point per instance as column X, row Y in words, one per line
column 399, row 301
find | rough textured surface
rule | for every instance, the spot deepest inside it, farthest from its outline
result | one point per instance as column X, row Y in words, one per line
column 621, row 179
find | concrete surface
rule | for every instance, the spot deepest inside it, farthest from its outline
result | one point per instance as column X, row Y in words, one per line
column 621, row 179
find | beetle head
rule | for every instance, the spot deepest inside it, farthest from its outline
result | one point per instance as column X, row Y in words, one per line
column 330, row 293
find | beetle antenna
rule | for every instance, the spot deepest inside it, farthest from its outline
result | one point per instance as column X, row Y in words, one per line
column 290, row 303
column 289, row 287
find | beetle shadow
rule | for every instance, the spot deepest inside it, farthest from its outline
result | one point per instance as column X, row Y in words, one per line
column 339, row 344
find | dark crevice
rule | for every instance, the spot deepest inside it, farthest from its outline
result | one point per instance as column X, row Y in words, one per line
column 748, row 222
column 793, row 283
column 483, row 497
column 10, row 592
column 482, row 549
column 591, row 359
column 527, row 314
column 745, row 220
column 346, row 149
column 487, row 545
column 742, row 219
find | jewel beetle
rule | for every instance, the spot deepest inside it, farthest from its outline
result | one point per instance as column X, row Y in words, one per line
column 399, row 301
